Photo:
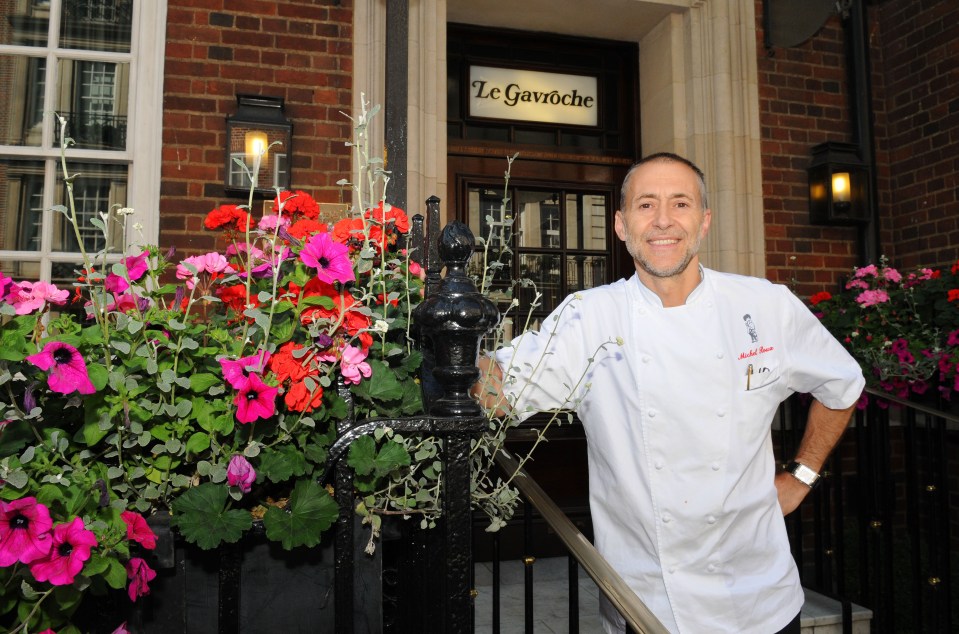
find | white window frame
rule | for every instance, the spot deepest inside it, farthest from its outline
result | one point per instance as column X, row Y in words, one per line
column 144, row 129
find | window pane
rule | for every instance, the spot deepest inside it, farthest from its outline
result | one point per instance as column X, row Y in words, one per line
column 584, row 271
column 544, row 271
column 586, row 221
column 21, row 109
column 93, row 99
column 96, row 25
column 21, row 201
column 539, row 221
column 20, row 270
column 24, row 23
column 97, row 189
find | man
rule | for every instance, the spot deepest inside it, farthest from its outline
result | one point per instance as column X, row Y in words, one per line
column 686, row 500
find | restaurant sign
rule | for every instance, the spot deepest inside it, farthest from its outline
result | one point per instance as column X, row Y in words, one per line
column 526, row 95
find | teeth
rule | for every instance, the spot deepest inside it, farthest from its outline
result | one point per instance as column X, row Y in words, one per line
column 663, row 242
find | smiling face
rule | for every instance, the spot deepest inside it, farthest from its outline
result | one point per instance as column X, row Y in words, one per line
column 663, row 221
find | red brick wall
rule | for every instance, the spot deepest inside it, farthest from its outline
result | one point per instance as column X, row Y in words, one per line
column 920, row 41
column 804, row 101
column 216, row 49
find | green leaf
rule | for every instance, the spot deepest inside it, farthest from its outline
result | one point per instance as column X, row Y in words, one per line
column 198, row 442
column 202, row 517
column 203, row 381
column 99, row 375
column 361, row 455
column 391, row 456
column 277, row 465
column 310, row 512
column 381, row 386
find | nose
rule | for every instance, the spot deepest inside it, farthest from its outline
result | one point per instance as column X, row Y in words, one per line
column 663, row 219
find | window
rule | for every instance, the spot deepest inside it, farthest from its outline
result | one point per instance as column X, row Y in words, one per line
column 557, row 238
column 74, row 60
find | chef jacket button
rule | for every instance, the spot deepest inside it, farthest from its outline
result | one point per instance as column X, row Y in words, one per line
column 642, row 311
column 720, row 412
column 720, row 355
column 667, row 518
column 646, row 359
column 710, row 519
column 671, row 569
column 652, row 413
column 711, row 568
column 658, row 464
column 715, row 466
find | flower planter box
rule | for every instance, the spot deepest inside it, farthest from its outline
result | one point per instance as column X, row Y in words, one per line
column 251, row 587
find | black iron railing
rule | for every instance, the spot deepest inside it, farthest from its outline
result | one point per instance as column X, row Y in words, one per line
column 880, row 531
column 97, row 131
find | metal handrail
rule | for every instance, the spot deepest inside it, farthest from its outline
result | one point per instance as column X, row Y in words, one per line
column 609, row 582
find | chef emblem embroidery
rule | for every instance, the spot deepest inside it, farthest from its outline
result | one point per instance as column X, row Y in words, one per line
column 751, row 328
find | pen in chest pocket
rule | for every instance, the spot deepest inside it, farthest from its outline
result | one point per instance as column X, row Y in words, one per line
column 749, row 374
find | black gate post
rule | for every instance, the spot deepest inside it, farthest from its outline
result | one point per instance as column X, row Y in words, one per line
column 449, row 325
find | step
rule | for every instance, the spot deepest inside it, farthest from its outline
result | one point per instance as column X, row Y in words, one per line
column 822, row 615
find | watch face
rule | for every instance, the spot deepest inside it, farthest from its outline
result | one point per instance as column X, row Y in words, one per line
column 803, row 473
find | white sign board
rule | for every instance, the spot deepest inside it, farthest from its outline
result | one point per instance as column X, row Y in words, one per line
column 527, row 95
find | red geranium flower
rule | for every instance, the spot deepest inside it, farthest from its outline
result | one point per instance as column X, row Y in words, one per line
column 298, row 203
column 821, row 296
column 305, row 227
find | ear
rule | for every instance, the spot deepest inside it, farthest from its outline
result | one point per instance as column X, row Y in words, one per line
column 619, row 225
column 707, row 219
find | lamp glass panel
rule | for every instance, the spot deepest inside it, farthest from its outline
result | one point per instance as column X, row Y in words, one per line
column 841, row 187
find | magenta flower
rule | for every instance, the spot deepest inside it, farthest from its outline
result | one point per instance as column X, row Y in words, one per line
column 352, row 365
column 330, row 259
column 136, row 266
column 68, row 371
column 892, row 275
column 138, row 530
column 71, row 547
column 140, row 574
column 269, row 222
column 6, row 283
column 24, row 531
column 28, row 297
column 237, row 372
column 871, row 298
column 240, row 473
column 255, row 400
column 115, row 283
column 867, row 270
column 121, row 629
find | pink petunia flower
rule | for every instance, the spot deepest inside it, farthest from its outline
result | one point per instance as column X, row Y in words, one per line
column 255, row 400
column 240, row 473
column 24, row 531
column 140, row 575
column 353, row 366
column 237, row 372
column 28, row 297
column 68, row 371
column 138, row 530
column 330, row 259
column 121, row 629
column 115, row 283
column 871, row 298
column 136, row 266
column 6, row 283
column 892, row 275
column 72, row 542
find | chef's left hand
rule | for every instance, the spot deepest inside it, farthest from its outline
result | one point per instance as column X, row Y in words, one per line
column 791, row 492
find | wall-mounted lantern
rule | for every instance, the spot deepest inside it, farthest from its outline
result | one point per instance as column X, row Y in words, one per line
column 838, row 185
column 259, row 140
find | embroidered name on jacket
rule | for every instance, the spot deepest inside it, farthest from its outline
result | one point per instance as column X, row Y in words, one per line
column 754, row 352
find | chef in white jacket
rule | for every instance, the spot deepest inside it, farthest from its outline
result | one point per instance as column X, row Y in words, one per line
column 676, row 374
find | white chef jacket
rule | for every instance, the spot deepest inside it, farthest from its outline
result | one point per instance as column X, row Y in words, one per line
column 681, row 466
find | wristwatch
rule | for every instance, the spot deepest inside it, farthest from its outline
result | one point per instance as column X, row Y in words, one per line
column 803, row 473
